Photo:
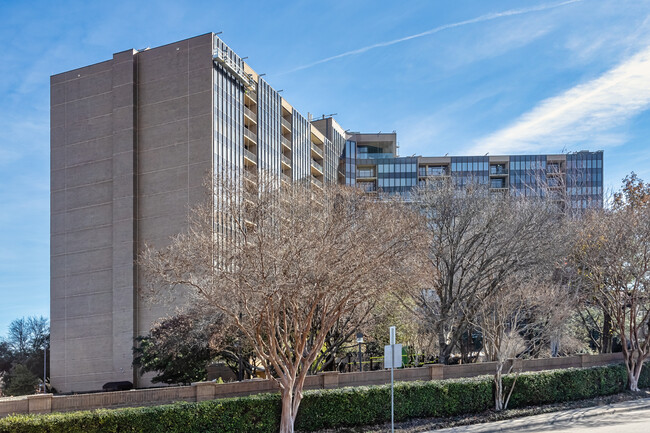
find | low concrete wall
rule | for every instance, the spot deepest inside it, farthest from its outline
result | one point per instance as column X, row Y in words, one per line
column 45, row 403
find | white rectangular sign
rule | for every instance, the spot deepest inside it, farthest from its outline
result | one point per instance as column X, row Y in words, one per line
column 388, row 356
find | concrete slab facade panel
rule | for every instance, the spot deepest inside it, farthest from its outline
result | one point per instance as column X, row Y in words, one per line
column 88, row 151
column 57, row 179
column 88, row 195
column 163, row 112
column 163, row 135
column 57, row 94
column 87, row 282
column 199, row 174
column 88, row 174
column 92, row 129
column 198, row 151
column 164, row 89
column 199, row 79
column 200, row 103
column 57, row 201
column 163, row 158
column 88, row 86
column 81, row 327
column 94, row 238
column 88, row 259
column 166, row 203
column 88, row 217
column 57, row 136
column 86, row 108
column 161, row 180
column 200, row 127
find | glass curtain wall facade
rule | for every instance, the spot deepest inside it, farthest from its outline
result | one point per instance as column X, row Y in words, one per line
column 333, row 150
column 350, row 158
column 584, row 178
column 469, row 169
column 397, row 175
column 528, row 175
column 268, row 131
column 300, row 148
column 228, row 127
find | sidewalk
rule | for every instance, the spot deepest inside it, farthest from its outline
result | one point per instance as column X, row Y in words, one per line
column 564, row 417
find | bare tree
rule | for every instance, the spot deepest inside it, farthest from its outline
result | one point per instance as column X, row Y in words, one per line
column 477, row 241
column 612, row 258
column 518, row 315
column 285, row 266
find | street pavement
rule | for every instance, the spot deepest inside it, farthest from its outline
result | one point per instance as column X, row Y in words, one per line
column 626, row 417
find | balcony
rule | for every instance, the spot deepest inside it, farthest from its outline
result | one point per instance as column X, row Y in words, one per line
column 366, row 173
column 498, row 170
column 286, row 160
column 317, row 166
column 285, row 177
column 252, row 95
column 250, row 114
column 432, row 171
column 317, row 182
column 375, row 155
column 249, row 176
column 286, row 124
column 316, row 151
column 286, row 142
column 250, row 135
column 250, row 156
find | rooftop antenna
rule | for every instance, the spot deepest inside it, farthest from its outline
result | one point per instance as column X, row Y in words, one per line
column 446, row 153
column 244, row 58
column 261, row 75
column 218, row 33
column 486, row 153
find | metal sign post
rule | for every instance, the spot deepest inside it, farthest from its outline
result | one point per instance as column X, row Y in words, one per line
column 390, row 361
column 392, row 369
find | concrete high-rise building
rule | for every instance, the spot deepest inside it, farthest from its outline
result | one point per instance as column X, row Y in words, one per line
column 133, row 141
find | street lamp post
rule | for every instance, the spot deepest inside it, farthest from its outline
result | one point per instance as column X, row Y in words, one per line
column 360, row 340
column 44, row 367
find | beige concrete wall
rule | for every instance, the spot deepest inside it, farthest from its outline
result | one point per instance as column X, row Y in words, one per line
column 131, row 145
column 81, row 290
column 175, row 150
column 210, row 390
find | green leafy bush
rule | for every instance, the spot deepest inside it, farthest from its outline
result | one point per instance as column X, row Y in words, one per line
column 554, row 386
column 333, row 408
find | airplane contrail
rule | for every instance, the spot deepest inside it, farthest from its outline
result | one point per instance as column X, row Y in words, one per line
column 482, row 18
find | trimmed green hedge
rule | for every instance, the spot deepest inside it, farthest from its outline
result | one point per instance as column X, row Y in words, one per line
column 333, row 408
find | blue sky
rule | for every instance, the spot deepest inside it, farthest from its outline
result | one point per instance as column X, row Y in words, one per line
column 461, row 77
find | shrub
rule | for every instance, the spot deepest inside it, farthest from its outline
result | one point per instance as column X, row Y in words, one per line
column 334, row 408
column 566, row 385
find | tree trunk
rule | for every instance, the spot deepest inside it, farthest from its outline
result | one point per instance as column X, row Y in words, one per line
column 498, row 388
column 287, row 418
column 444, row 351
column 632, row 381
column 606, row 345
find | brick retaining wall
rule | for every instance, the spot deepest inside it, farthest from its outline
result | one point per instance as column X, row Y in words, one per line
column 202, row 391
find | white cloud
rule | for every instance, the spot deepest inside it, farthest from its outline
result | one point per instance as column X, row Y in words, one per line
column 588, row 113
